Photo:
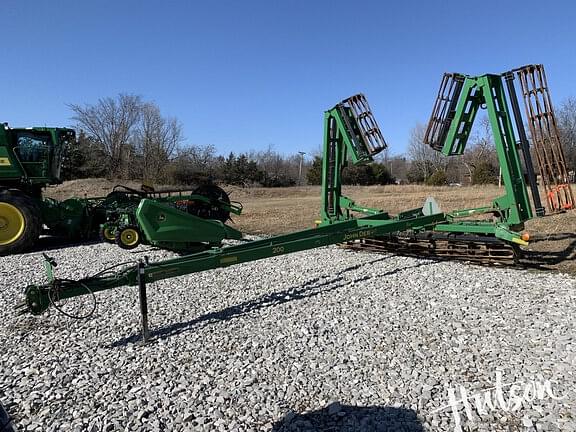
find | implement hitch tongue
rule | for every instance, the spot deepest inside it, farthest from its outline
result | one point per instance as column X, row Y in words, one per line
column 38, row 297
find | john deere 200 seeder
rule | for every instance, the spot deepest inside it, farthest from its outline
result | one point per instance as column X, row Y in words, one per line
column 351, row 135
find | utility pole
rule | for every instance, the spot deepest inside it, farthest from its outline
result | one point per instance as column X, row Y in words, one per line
column 301, row 153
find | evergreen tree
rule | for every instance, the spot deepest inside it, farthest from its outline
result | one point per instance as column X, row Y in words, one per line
column 484, row 173
column 314, row 175
column 439, row 178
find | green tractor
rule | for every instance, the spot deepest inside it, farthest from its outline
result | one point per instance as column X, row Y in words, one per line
column 30, row 159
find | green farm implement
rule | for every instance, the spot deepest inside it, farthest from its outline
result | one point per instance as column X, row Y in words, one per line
column 173, row 219
column 351, row 135
column 31, row 159
column 351, row 131
column 491, row 234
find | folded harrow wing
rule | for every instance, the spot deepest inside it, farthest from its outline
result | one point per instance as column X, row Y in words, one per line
column 490, row 234
column 545, row 136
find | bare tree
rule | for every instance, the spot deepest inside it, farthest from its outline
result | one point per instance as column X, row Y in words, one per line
column 202, row 158
column 481, row 149
column 111, row 123
column 425, row 160
column 397, row 165
column 156, row 139
column 136, row 140
column 278, row 170
column 195, row 164
column 566, row 115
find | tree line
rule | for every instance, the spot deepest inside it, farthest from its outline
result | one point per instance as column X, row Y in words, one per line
column 127, row 137
column 479, row 163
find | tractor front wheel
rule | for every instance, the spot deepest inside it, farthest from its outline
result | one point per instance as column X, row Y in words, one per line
column 20, row 222
column 128, row 237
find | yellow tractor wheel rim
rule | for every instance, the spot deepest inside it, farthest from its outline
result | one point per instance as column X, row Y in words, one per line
column 129, row 237
column 108, row 234
column 12, row 223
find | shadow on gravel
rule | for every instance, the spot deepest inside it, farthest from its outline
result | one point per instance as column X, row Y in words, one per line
column 539, row 259
column 346, row 418
column 311, row 288
column 6, row 424
column 48, row 243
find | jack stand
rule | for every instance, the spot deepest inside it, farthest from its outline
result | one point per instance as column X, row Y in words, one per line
column 143, row 302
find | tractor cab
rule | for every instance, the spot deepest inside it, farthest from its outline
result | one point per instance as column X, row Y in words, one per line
column 33, row 155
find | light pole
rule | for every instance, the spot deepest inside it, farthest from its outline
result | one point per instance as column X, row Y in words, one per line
column 301, row 153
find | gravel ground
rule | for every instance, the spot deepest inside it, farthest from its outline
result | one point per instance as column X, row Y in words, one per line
column 320, row 340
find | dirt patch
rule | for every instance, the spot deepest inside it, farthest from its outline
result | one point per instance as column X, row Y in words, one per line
column 85, row 188
column 93, row 187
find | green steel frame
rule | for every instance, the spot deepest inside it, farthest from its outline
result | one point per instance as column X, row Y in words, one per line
column 39, row 298
column 352, row 134
column 459, row 100
column 487, row 91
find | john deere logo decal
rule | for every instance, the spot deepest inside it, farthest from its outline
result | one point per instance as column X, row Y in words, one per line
column 4, row 161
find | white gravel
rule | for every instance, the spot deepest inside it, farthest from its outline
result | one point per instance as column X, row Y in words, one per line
column 321, row 340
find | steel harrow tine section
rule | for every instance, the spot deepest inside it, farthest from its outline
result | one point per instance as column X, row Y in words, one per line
column 472, row 249
column 443, row 111
column 368, row 128
column 545, row 137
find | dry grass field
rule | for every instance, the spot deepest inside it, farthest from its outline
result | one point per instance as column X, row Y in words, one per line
column 282, row 210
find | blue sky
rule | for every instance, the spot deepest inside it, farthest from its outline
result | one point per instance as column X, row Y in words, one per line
column 248, row 74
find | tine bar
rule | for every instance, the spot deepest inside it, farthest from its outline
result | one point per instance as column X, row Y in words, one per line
column 444, row 110
column 545, row 137
column 368, row 129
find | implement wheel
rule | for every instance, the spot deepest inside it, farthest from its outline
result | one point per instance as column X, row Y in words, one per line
column 20, row 223
column 107, row 234
column 128, row 237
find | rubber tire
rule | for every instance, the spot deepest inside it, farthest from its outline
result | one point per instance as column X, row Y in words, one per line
column 123, row 245
column 32, row 222
column 104, row 238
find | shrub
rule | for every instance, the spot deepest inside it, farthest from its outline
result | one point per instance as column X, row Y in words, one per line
column 484, row 173
column 437, row 179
